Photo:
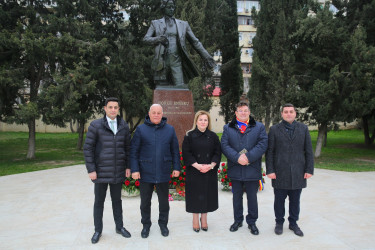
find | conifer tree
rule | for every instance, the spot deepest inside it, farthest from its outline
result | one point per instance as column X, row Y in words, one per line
column 231, row 73
column 273, row 59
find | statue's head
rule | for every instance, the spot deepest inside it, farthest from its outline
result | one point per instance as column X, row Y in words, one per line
column 168, row 7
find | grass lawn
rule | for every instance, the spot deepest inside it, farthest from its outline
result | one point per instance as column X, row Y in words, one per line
column 53, row 150
column 345, row 151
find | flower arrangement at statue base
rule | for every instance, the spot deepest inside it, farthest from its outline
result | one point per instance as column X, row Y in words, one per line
column 223, row 177
column 179, row 182
column 226, row 182
column 130, row 187
column 176, row 196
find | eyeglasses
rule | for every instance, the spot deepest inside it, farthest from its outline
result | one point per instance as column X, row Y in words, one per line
column 243, row 111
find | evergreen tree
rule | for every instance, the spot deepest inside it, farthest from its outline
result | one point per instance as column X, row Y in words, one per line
column 85, row 43
column 273, row 77
column 27, row 27
column 319, row 65
column 11, row 74
column 359, row 18
column 359, row 101
column 231, row 72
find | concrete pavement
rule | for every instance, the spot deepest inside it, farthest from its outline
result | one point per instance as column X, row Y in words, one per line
column 52, row 209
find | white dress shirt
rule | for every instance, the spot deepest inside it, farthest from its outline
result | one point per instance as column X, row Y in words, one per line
column 114, row 124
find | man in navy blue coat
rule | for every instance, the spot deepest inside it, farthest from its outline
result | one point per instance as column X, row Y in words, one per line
column 106, row 153
column 244, row 141
column 289, row 162
column 154, row 151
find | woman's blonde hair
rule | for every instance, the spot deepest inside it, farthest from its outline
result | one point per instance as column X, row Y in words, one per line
column 199, row 113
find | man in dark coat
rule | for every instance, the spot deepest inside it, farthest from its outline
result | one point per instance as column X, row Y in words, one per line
column 244, row 141
column 154, row 151
column 172, row 63
column 289, row 163
column 106, row 152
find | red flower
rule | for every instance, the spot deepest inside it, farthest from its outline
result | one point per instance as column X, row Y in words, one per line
column 184, row 167
column 171, row 176
column 219, row 171
column 181, row 184
column 180, row 178
column 181, row 158
column 184, row 173
column 180, row 153
column 223, row 164
column 224, row 169
column 184, row 178
column 226, row 176
column 170, row 182
column 174, row 183
column 222, row 180
column 264, row 174
column 136, row 183
column 127, row 183
column 230, row 184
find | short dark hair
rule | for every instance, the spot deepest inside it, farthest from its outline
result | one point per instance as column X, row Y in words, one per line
column 241, row 104
column 111, row 99
column 164, row 3
column 287, row 105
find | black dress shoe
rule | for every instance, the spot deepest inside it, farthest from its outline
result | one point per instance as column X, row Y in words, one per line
column 235, row 226
column 164, row 230
column 145, row 232
column 123, row 232
column 204, row 228
column 196, row 229
column 253, row 229
column 278, row 229
column 296, row 230
column 95, row 237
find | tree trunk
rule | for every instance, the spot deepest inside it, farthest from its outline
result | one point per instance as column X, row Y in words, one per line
column 31, row 143
column 71, row 126
column 322, row 129
column 366, row 131
column 80, row 130
column 267, row 119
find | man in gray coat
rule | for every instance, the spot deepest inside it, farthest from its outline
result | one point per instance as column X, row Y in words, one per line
column 289, row 163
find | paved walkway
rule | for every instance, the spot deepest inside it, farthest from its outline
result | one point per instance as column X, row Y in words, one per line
column 52, row 209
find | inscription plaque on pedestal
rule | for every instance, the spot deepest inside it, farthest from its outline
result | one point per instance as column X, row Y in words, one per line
column 178, row 107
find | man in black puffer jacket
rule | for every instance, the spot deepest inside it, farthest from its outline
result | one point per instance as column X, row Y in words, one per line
column 106, row 152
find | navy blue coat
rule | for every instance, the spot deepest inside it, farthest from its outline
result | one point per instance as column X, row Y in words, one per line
column 289, row 158
column 106, row 153
column 254, row 140
column 154, row 151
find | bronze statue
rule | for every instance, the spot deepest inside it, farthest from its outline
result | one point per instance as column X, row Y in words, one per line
column 172, row 64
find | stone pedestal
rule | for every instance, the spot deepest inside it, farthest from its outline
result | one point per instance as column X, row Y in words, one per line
column 178, row 107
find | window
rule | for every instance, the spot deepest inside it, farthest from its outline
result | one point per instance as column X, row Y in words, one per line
column 246, row 68
column 240, row 36
column 249, row 21
column 249, row 51
column 240, row 5
column 247, row 6
column 245, row 20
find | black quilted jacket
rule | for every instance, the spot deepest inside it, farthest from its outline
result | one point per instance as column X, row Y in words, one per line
column 106, row 153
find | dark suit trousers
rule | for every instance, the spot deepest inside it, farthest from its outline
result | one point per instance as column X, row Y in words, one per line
column 146, row 190
column 251, row 188
column 294, row 207
column 100, row 191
